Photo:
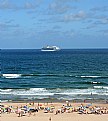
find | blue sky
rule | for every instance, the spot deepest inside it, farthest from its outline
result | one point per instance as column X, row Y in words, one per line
column 31, row 24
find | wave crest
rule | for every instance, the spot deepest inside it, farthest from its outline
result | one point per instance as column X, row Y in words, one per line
column 101, row 87
column 52, row 75
column 11, row 75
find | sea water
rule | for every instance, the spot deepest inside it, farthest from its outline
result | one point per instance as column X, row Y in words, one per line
column 65, row 74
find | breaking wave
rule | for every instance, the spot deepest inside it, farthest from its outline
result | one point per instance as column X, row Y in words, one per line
column 56, row 91
column 11, row 75
column 53, row 75
column 92, row 76
column 101, row 87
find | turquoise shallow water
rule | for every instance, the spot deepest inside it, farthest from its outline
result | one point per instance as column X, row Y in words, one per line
column 65, row 74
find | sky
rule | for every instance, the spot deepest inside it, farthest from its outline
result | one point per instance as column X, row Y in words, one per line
column 69, row 24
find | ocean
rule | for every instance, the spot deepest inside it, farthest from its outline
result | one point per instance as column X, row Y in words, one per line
column 67, row 74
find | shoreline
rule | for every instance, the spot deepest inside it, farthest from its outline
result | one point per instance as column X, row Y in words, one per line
column 49, row 100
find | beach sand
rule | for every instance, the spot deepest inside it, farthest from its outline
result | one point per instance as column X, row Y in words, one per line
column 41, row 116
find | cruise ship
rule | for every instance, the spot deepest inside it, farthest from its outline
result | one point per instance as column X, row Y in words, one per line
column 50, row 48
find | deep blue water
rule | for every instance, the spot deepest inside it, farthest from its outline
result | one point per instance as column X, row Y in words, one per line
column 65, row 74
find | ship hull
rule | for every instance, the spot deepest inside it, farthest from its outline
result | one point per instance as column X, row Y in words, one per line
column 50, row 48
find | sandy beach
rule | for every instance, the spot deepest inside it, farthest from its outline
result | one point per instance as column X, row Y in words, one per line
column 58, row 112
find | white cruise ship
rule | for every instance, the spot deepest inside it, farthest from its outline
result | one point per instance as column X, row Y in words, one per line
column 50, row 48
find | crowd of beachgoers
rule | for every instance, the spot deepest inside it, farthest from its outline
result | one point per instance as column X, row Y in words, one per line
column 32, row 108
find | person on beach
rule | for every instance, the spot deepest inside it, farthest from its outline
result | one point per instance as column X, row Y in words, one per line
column 19, row 112
column 38, row 103
column 50, row 119
column 0, row 111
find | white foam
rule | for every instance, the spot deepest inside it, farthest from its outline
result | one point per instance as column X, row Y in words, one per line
column 101, row 87
column 98, row 87
column 90, row 76
column 78, row 92
column 71, row 92
column 11, row 75
column 95, row 82
column 5, row 90
column 31, row 91
column 105, row 87
column 37, row 89
column 41, row 92
column 2, row 101
column 37, row 94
